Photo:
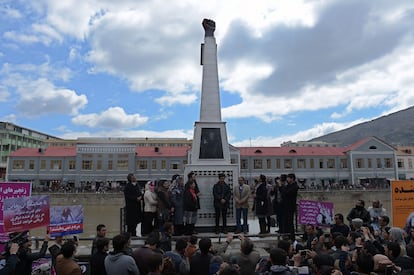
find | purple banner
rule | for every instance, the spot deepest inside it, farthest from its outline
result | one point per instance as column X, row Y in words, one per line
column 25, row 213
column 11, row 190
column 316, row 212
column 66, row 220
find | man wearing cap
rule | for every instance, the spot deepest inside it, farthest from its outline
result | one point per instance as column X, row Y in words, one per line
column 222, row 195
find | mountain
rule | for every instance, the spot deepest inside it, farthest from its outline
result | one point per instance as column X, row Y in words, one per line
column 395, row 129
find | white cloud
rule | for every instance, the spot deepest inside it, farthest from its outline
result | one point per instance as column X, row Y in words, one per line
column 114, row 117
column 178, row 133
column 316, row 131
column 35, row 94
column 9, row 118
column 4, row 94
column 171, row 99
column 9, row 12
column 41, row 97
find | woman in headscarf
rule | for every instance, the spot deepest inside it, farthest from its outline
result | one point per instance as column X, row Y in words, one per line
column 177, row 200
column 190, row 207
column 150, row 208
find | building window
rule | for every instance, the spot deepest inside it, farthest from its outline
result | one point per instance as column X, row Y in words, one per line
column 184, row 162
column 174, row 165
column 257, row 164
column 410, row 163
column 321, row 163
column 18, row 164
column 331, row 163
column 122, row 164
column 400, row 163
column 233, row 161
column 110, row 165
column 31, row 164
column 379, row 163
column 369, row 163
column 153, row 164
column 312, row 164
column 388, row 163
column 359, row 163
column 344, row 163
column 269, row 164
column 87, row 164
column 288, row 164
column 142, row 165
column 43, row 164
column 99, row 165
column 72, row 165
column 301, row 164
column 55, row 164
column 278, row 164
column 243, row 164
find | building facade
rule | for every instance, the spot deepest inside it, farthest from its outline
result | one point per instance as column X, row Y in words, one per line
column 14, row 137
column 367, row 163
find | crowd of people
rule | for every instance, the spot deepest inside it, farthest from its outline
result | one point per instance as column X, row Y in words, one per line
column 362, row 242
column 179, row 203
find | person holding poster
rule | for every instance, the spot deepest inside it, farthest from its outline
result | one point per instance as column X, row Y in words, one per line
column 133, row 209
column 25, row 254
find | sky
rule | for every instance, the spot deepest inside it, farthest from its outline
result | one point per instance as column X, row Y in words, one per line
column 288, row 70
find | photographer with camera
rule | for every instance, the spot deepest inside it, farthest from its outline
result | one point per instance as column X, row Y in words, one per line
column 11, row 260
column 24, row 254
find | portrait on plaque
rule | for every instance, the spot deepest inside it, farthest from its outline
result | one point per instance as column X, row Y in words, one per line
column 211, row 146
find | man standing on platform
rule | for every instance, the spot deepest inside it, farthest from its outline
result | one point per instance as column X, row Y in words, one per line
column 289, row 196
column 222, row 195
column 241, row 193
column 133, row 209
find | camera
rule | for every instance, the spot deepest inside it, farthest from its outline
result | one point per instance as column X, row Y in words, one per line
column 303, row 252
column 17, row 237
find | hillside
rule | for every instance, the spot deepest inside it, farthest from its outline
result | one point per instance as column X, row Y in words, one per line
column 395, row 129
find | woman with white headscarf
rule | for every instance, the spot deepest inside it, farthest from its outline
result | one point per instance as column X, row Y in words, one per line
column 150, row 208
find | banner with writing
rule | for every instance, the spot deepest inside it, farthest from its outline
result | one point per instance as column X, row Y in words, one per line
column 11, row 190
column 316, row 212
column 402, row 203
column 66, row 220
column 25, row 213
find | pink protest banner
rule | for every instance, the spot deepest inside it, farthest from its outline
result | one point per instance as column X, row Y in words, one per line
column 25, row 213
column 66, row 220
column 11, row 190
column 316, row 212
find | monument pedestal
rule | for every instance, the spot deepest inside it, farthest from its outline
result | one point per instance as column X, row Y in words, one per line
column 210, row 153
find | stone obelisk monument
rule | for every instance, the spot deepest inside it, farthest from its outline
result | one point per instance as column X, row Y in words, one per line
column 210, row 153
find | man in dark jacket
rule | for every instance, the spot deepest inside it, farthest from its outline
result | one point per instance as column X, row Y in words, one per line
column 278, row 258
column 261, row 202
column 289, row 196
column 97, row 261
column 222, row 195
column 26, row 256
column 200, row 262
column 133, row 209
column 359, row 211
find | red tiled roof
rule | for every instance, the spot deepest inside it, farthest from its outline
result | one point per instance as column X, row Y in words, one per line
column 167, row 151
column 291, row 151
column 48, row 152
